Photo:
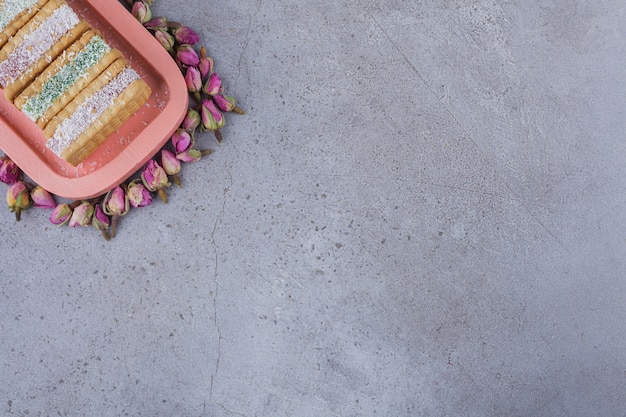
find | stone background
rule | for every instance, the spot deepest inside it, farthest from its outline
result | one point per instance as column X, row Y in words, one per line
column 423, row 213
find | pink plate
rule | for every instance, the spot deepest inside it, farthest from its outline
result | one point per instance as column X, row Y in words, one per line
column 129, row 148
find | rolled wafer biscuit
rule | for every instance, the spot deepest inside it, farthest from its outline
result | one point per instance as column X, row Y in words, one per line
column 67, row 76
column 14, row 14
column 36, row 44
column 100, row 109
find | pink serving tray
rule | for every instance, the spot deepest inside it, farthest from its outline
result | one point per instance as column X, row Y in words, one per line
column 128, row 149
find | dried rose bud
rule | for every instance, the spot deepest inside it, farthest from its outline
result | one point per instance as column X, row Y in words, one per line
column 181, row 140
column 115, row 202
column 212, row 119
column 193, row 79
column 158, row 23
column 213, row 85
column 224, row 103
column 191, row 122
column 186, row 35
column 141, row 11
column 101, row 221
column 171, row 165
column 18, row 198
column 138, row 194
column 155, row 178
column 9, row 171
column 165, row 39
column 187, row 56
column 42, row 198
column 82, row 214
column 61, row 214
column 190, row 155
column 205, row 66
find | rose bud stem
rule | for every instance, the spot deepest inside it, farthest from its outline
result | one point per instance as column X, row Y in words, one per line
column 238, row 110
column 218, row 135
column 177, row 181
column 206, row 152
column 173, row 25
column 162, row 194
column 198, row 97
column 115, row 219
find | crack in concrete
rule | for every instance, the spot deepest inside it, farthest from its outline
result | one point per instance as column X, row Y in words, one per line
column 246, row 41
column 218, row 220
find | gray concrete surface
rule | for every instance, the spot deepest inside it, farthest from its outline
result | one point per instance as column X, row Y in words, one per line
column 422, row 214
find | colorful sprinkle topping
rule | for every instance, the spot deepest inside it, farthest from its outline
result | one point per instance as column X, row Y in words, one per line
column 85, row 114
column 10, row 9
column 58, row 84
column 37, row 43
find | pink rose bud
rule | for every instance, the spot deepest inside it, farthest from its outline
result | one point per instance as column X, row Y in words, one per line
column 155, row 178
column 187, row 56
column 193, row 79
column 141, row 11
column 170, row 164
column 82, row 214
column 101, row 221
column 165, row 39
column 224, row 103
column 186, row 35
column 205, row 66
column 213, row 85
column 18, row 198
column 212, row 119
column 181, row 140
column 190, row 155
column 42, row 198
column 61, row 214
column 115, row 202
column 138, row 194
column 191, row 122
column 158, row 23
column 9, row 171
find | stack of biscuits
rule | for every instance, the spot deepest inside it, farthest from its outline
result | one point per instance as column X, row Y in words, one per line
column 62, row 74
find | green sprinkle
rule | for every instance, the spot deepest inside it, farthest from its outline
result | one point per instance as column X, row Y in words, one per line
column 11, row 8
column 57, row 85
